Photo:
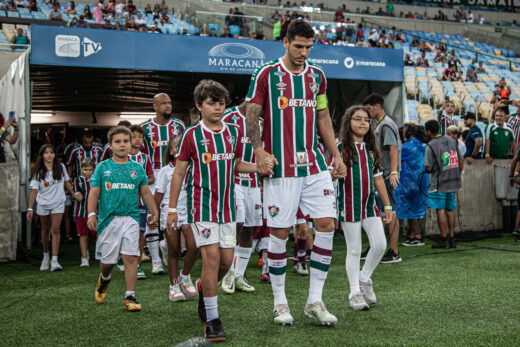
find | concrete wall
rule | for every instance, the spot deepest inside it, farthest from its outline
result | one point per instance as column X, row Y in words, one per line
column 478, row 208
column 9, row 181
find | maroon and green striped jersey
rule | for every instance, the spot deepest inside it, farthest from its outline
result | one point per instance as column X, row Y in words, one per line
column 81, row 185
column 156, row 137
column 107, row 153
column 290, row 116
column 514, row 123
column 232, row 115
column 146, row 163
column 355, row 195
column 446, row 122
column 80, row 153
column 211, row 158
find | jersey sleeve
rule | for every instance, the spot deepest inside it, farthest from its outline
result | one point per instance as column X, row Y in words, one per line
column 75, row 185
column 70, row 158
column 149, row 166
column 97, row 176
column 106, row 153
column 389, row 138
column 185, row 146
column 258, row 87
column 65, row 174
column 143, row 179
column 429, row 158
column 33, row 184
column 323, row 86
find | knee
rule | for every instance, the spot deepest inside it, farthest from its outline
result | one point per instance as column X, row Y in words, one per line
column 325, row 225
column 353, row 250
column 379, row 245
column 55, row 231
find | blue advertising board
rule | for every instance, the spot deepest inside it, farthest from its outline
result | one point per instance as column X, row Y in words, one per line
column 98, row 48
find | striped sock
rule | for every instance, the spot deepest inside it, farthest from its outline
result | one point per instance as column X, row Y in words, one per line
column 321, row 256
column 277, row 261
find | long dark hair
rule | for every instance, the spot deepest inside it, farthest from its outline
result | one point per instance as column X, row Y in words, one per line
column 40, row 170
column 168, row 157
column 349, row 148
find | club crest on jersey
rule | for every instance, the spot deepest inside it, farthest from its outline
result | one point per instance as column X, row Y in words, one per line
column 281, row 86
column 234, row 118
column 273, row 210
column 133, row 174
column 315, row 87
column 343, row 214
column 193, row 211
column 46, row 184
column 206, row 232
column 175, row 132
column 231, row 139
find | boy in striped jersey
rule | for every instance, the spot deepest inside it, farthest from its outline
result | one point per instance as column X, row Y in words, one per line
column 291, row 95
column 446, row 117
column 249, row 207
column 357, row 203
column 212, row 150
column 157, row 132
column 81, row 185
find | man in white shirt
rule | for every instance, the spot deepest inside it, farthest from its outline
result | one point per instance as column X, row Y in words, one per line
column 140, row 21
column 470, row 17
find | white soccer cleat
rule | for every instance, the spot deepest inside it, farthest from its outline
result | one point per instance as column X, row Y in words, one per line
column 301, row 269
column 228, row 283
column 84, row 262
column 157, row 269
column 187, row 286
column 367, row 290
column 55, row 266
column 46, row 264
column 318, row 311
column 282, row 315
column 163, row 246
column 176, row 293
column 357, row 302
column 242, row 285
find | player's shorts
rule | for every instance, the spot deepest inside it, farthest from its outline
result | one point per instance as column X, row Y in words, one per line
column 68, row 200
column 121, row 235
column 182, row 216
column 82, row 228
column 391, row 196
column 142, row 219
column 210, row 233
column 442, row 201
column 314, row 194
column 42, row 211
column 249, row 205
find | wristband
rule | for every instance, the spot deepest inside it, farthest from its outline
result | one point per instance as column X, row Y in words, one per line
column 92, row 214
column 169, row 213
column 3, row 129
column 172, row 210
column 29, row 210
column 148, row 215
column 487, row 155
column 388, row 208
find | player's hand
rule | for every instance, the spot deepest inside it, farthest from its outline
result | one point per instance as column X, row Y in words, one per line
column 340, row 169
column 388, row 217
column 153, row 222
column 489, row 160
column 394, row 180
column 263, row 162
column 92, row 223
column 171, row 223
column 78, row 196
column 29, row 216
column 470, row 160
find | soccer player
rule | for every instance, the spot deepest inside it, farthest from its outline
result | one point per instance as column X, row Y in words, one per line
column 48, row 180
column 357, row 204
column 212, row 150
column 157, row 132
column 86, row 149
column 116, row 185
column 170, row 247
column 81, row 185
column 249, row 207
column 291, row 95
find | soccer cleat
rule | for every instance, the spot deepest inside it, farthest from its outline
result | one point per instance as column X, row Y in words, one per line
column 55, row 266
column 390, row 257
column 100, row 294
column 367, row 291
column 442, row 243
column 409, row 242
column 121, row 265
column 201, row 309
column 213, row 331
column 157, row 269
column 364, row 253
column 451, row 242
column 176, row 293
column 164, row 251
column 228, row 283
column 516, row 232
column 301, row 269
column 145, row 258
column 265, row 278
column 242, row 285
column 46, row 264
column 318, row 311
column 84, row 262
column 419, row 242
column 282, row 315
column 131, row 304
column 140, row 273
column 187, row 286
column 357, row 302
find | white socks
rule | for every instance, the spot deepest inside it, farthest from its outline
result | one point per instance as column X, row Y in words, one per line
column 211, row 305
column 45, row 256
column 277, row 261
column 54, row 258
column 243, row 259
column 235, row 255
column 321, row 256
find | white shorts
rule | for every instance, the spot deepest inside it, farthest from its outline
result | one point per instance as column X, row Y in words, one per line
column 209, row 233
column 68, row 200
column 156, row 176
column 121, row 236
column 313, row 194
column 42, row 211
column 249, row 205
column 182, row 216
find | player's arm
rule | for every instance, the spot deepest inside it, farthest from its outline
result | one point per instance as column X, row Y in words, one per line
column 326, row 133
column 379, row 183
column 246, row 167
column 92, row 205
column 253, row 113
column 149, row 171
column 175, row 188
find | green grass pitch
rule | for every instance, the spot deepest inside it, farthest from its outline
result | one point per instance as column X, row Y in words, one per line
column 461, row 297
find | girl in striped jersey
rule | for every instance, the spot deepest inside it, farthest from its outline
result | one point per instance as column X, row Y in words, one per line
column 170, row 247
column 356, row 203
column 81, row 186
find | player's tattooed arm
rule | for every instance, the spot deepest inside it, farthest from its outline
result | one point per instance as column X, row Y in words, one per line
column 253, row 113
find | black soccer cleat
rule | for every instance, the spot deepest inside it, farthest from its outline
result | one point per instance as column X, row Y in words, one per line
column 442, row 244
column 214, row 332
column 201, row 308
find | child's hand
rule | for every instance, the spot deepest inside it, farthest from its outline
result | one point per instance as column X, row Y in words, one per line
column 92, row 223
column 29, row 216
column 388, row 216
column 171, row 223
column 340, row 169
column 153, row 221
column 78, row 196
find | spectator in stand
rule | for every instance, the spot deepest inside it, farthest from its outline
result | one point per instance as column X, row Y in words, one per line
column 422, row 61
column 438, row 56
column 260, row 35
column 72, row 8
column 366, row 10
column 86, row 12
column 481, row 68
column 107, row 25
column 226, row 33
column 499, row 137
column 229, row 18
column 431, row 46
column 473, row 139
column 11, row 6
column 380, row 12
column 130, row 8
column 284, row 26
column 408, row 61
column 445, row 116
column 130, row 25
column 373, row 38
column 459, row 76
column 119, row 7
column 165, row 19
column 20, row 38
column 275, row 17
column 55, row 13
column 361, row 42
column 338, row 16
column 33, row 7
column 82, row 23
column 425, row 15
column 140, row 21
column 481, row 19
column 212, row 33
column 470, row 18
column 471, row 75
column 238, row 17
column 73, row 22
column 359, row 32
column 390, row 8
column 306, row 17
column 164, row 7
column 118, row 26
column 453, row 132
column 156, row 15
column 342, row 41
column 415, row 42
column 148, row 9
column 450, row 74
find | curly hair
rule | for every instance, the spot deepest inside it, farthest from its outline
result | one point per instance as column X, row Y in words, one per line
column 349, row 152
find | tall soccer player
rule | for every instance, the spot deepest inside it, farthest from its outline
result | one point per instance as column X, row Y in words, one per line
column 291, row 95
column 249, row 207
column 157, row 132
